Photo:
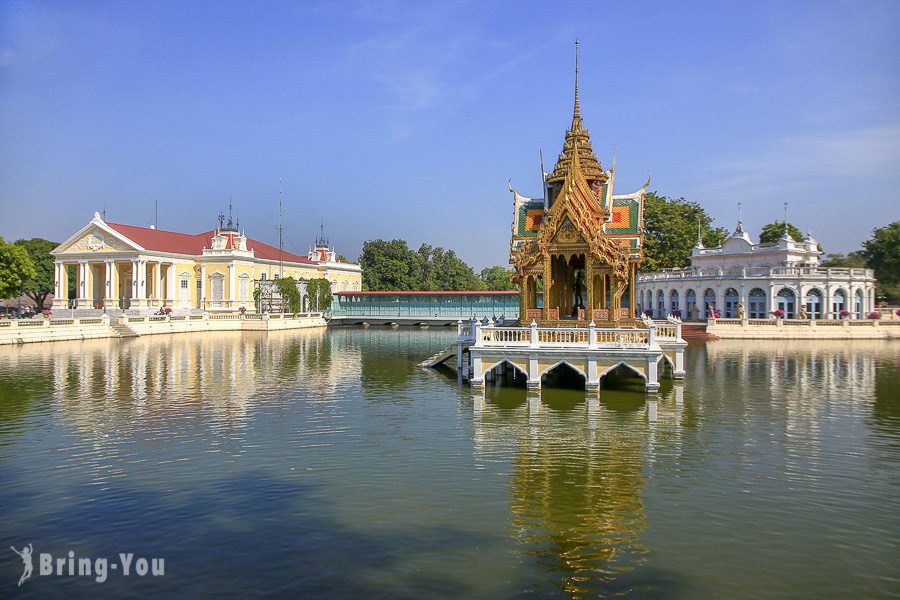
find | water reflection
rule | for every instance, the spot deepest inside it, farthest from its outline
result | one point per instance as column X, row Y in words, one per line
column 577, row 478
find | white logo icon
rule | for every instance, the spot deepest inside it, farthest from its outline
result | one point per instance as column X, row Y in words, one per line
column 26, row 560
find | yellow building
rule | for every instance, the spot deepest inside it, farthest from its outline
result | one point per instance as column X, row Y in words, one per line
column 116, row 266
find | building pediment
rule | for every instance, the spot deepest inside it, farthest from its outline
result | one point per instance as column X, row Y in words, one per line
column 96, row 240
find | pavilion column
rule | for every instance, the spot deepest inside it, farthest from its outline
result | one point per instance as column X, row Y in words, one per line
column 631, row 276
column 589, row 282
column 548, row 287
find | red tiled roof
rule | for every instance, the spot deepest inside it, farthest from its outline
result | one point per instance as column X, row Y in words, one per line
column 432, row 292
column 193, row 244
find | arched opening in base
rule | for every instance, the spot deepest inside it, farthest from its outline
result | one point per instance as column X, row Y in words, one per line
column 564, row 376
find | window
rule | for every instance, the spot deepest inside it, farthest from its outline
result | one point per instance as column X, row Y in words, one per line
column 184, row 284
column 262, row 276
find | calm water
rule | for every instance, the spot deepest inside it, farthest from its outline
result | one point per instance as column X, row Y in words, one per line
column 328, row 464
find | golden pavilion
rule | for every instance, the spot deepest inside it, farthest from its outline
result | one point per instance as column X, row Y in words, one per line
column 580, row 243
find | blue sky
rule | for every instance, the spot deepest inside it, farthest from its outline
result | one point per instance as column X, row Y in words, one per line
column 405, row 119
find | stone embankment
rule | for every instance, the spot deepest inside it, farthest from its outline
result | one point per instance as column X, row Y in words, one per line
column 20, row 331
column 796, row 329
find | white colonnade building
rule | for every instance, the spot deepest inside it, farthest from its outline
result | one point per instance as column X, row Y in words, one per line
column 763, row 278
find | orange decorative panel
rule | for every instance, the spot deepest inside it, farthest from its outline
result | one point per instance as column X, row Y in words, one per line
column 621, row 217
column 533, row 219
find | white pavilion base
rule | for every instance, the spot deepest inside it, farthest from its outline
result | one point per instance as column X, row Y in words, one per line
column 593, row 352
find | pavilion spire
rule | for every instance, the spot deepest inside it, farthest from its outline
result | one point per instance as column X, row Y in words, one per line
column 576, row 112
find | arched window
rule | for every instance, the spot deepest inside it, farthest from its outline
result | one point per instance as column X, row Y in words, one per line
column 709, row 302
column 858, row 304
column 690, row 305
column 838, row 303
column 660, row 305
column 757, row 300
column 244, row 287
column 814, row 304
column 786, row 301
column 673, row 300
column 732, row 298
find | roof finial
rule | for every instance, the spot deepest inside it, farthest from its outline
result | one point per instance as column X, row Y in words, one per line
column 576, row 114
column 699, row 235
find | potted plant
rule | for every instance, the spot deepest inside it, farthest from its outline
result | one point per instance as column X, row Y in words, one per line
column 649, row 313
column 243, row 309
column 779, row 314
column 717, row 315
column 46, row 313
column 844, row 313
column 874, row 315
column 676, row 313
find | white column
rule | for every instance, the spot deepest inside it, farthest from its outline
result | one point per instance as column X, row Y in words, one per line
column 202, row 286
column 57, row 285
column 231, row 294
column 170, row 283
column 82, row 284
column 109, row 285
column 157, row 282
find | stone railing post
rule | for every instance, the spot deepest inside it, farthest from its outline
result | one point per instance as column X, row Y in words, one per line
column 592, row 335
column 476, row 329
column 651, row 334
column 459, row 328
column 46, row 323
column 104, row 319
column 533, row 335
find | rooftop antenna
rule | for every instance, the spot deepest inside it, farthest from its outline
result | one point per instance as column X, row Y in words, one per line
column 785, row 221
column 739, row 211
column 280, row 234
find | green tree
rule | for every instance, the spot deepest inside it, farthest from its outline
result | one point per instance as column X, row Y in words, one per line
column 497, row 278
column 43, row 283
column 388, row 265
column 16, row 269
column 670, row 231
column 449, row 272
column 853, row 260
column 773, row 232
column 319, row 292
column 882, row 253
column 392, row 265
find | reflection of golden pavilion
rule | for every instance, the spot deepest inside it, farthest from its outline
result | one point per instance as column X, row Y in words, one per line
column 580, row 242
column 576, row 483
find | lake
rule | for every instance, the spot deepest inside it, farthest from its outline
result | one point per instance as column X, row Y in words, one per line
column 328, row 464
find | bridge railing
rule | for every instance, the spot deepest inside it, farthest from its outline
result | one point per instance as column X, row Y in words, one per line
column 591, row 337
